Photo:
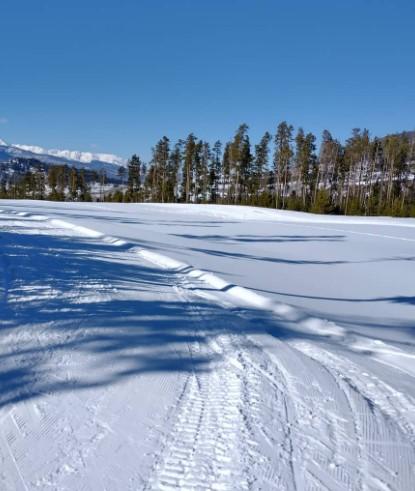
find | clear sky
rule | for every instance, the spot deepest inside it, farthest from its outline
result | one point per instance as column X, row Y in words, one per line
column 115, row 76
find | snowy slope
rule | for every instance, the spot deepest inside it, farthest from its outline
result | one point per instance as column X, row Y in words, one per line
column 204, row 347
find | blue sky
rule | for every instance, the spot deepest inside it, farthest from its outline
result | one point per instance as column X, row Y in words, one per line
column 115, row 76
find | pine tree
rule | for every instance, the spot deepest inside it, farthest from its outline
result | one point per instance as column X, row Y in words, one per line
column 215, row 171
column 134, row 177
column 174, row 165
column 247, row 172
column 226, row 172
column 238, row 161
column 189, row 160
column 202, row 171
column 159, row 171
column 260, row 164
column 73, row 184
column 282, row 161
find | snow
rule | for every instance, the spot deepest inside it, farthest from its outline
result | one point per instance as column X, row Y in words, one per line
column 84, row 157
column 149, row 346
column 83, row 160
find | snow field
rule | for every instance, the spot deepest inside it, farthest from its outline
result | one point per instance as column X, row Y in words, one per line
column 250, row 394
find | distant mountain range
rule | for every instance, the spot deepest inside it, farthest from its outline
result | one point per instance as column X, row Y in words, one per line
column 81, row 160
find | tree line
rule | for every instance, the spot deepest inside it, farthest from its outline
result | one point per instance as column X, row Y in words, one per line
column 31, row 179
column 363, row 176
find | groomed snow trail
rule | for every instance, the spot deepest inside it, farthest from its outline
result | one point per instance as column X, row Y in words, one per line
column 126, row 369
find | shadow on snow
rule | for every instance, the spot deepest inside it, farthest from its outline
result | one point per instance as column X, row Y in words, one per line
column 76, row 314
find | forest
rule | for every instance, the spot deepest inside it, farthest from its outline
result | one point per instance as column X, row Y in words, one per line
column 363, row 176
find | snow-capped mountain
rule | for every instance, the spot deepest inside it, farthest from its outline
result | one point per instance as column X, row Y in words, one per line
column 93, row 161
column 85, row 157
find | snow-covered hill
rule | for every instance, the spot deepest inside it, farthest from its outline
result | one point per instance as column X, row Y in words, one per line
column 204, row 347
column 93, row 161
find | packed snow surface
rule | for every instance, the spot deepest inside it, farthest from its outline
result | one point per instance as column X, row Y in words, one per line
column 204, row 347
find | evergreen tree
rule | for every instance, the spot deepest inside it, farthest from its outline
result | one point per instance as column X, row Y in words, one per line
column 282, row 161
column 260, row 165
column 174, row 164
column 134, row 177
column 189, row 163
column 215, row 174
column 160, row 169
column 226, row 172
column 238, row 156
column 73, row 184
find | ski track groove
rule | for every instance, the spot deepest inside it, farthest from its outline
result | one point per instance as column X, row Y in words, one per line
column 7, row 440
column 371, row 420
column 205, row 438
column 393, row 404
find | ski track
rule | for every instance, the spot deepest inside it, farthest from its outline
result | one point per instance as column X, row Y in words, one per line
column 47, row 423
column 267, row 414
column 72, row 441
column 206, row 446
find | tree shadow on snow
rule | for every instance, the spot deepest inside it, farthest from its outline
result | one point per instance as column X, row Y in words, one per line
column 275, row 239
column 76, row 314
